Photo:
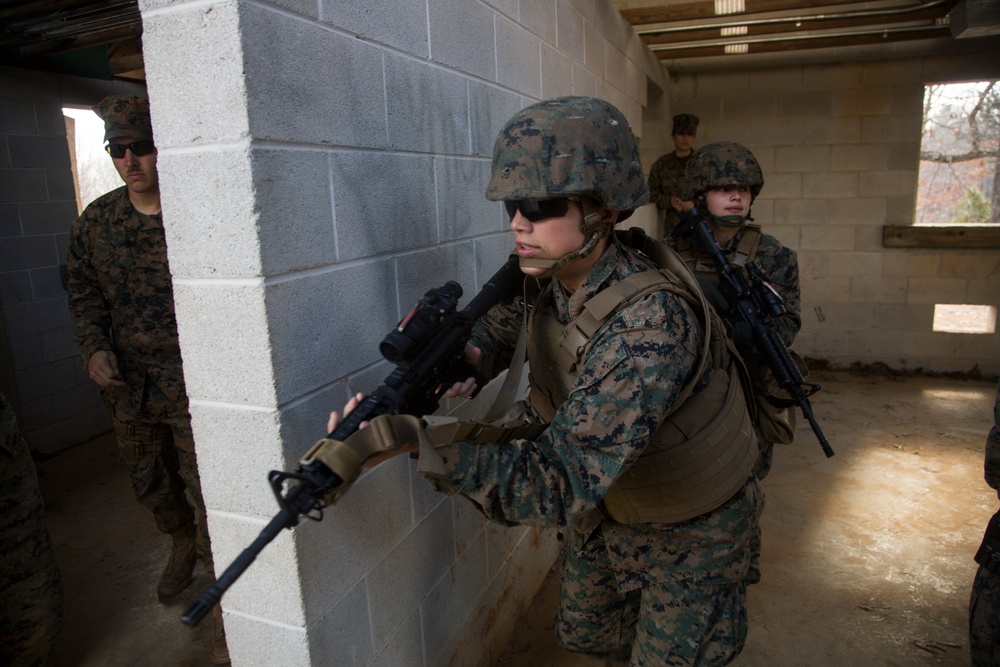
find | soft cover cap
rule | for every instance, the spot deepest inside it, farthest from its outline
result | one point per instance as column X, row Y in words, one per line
column 685, row 123
column 125, row 116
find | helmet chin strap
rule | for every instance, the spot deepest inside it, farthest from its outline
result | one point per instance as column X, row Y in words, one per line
column 726, row 221
column 594, row 228
column 730, row 221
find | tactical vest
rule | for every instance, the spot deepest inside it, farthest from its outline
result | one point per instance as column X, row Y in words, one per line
column 703, row 267
column 775, row 417
column 702, row 453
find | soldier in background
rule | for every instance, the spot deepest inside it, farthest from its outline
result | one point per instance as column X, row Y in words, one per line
column 31, row 595
column 666, row 178
column 984, row 603
column 723, row 179
column 121, row 301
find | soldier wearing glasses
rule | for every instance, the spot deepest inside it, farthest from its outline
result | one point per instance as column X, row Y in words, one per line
column 121, row 302
column 637, row 398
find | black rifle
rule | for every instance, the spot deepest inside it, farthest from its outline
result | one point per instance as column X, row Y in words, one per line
column 755, row 306
column 428, row 347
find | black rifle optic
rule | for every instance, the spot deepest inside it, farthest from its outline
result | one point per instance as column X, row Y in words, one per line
column 428, row 347
column 755, row 305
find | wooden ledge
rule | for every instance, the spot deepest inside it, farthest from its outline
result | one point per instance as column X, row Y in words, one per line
column 977, row 237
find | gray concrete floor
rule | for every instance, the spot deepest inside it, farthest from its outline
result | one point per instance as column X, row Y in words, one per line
column 867, row 555
column 111, row 555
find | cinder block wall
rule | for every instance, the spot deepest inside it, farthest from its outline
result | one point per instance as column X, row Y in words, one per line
column 322, row 166
column 839, row 145
column 56, row 402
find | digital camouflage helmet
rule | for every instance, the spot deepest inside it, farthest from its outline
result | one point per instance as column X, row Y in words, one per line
column 575, row 147
column 719, row 165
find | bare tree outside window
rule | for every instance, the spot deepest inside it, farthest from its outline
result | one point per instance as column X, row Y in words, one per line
column 958, row 179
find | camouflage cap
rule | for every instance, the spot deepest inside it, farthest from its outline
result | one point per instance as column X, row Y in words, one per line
column 722, row 164
column 685, row 123
column 569, row 147
column 125, row 116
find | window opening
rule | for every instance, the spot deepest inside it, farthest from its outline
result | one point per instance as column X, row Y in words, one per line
column 965, row 318
column 93, row 172
column 958, row 181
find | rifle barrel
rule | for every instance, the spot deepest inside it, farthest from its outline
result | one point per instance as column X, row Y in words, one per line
column 211, row 596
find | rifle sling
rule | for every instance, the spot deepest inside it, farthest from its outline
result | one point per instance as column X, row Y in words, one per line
column 387, row 432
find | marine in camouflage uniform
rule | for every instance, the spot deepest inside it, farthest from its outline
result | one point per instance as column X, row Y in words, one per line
column 666, row 177
column 984, row 602
column 726, row 164
column 122, row 304
column 648, row 592
column 31, row 595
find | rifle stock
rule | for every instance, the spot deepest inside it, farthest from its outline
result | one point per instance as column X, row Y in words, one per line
column 753, row 306
column 428, row 347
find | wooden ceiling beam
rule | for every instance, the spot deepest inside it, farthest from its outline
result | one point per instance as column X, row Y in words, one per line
column 694, row 11
column 784, row 27
column 702, row 51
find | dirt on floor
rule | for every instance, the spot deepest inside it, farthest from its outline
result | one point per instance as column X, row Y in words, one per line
column 867, row 557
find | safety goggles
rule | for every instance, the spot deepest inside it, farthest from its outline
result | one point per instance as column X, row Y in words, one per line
column 138, row 148
column 538, row 209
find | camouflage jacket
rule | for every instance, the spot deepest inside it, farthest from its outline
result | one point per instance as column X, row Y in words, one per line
column 637, row 364
column 11, row 441
column 992, row 465
column 666, row 179
column 778, row 264
column 121, row 299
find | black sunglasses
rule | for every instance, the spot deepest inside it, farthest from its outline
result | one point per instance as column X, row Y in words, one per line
column 535, row 209
column 138, row 148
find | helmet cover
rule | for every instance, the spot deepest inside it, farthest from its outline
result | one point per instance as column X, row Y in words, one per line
column 720, row 165
column 569, row 147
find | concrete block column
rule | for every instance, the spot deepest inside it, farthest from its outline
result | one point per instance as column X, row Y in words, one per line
column 322, row 165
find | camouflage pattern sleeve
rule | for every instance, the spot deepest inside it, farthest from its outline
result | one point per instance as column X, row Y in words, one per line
column 992, row 466
column 657, row 195
column 90, row 311
column 121, row 299
column 780, row 266
column 635, row 368
column 496, row 335
column 31, row 603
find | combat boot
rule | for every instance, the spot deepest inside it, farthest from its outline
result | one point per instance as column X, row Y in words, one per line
column 220, row 651
column 177, row 574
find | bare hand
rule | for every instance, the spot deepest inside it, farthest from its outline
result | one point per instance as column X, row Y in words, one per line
column 103, row 369
column 334, row 421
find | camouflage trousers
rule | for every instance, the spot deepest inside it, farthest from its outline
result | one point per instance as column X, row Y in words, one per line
column 984, row 619
column 761, row 469
column 160, row 458
column 31, row 594
column 676, row 624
